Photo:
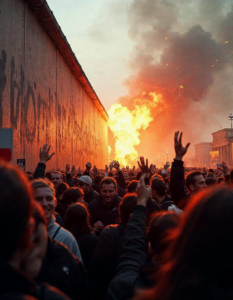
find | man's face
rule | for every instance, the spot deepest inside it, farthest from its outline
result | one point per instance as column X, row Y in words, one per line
column 108, row 192
column 56, row 179
column 44, row 196
column 199, row 184
column 85, row 187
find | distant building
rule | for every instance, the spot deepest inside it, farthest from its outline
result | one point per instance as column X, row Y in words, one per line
column 222, row 147
column 202, row 155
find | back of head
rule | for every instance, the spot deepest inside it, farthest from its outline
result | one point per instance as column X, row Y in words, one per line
column 210, row 181
column 159, row 228
column 158, row 185
column 71, row 196
column 202, row 247
column 98, row 179
column 127, row 206
column 15, row 210
column 61, row 188
column 77, row 217
column 132, row 186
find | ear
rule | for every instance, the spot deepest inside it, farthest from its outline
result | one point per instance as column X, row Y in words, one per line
column 55, row 201
column 191, row 187
column 116, row 190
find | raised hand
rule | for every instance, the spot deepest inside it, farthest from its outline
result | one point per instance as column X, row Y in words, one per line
column 166, row 166
column 88, row 166
column 144, row 166
column 143, row 191
column 225, row 168
column 111, row 166
column 179, row 149
column 44, row 154
column 106, row 168
column 116, row 165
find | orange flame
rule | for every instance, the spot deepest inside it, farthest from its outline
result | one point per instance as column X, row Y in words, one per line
column 125, row 125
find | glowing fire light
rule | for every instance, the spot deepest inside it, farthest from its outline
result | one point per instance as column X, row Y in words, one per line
column 109, row 152
column 226, row 42
column 125, row 125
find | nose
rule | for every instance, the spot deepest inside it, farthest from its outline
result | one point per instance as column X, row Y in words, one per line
column 43, row 203
column 205, row 186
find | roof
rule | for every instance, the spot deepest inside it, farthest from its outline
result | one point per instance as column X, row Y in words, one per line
column 45, row 16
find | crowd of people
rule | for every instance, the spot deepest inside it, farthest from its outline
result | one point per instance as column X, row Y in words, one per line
column 116, row 233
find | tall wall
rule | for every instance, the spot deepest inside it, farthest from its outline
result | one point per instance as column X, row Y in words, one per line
column 41, row 99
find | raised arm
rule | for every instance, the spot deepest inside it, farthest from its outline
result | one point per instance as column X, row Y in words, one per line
column 177, row 183
column 44, row 157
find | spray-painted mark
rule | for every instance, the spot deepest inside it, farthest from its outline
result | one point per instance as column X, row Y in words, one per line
column 2, row 81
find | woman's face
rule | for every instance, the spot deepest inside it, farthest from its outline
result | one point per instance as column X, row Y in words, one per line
column 33, row 261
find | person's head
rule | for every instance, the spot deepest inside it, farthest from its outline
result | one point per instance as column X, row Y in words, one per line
column 155, row 176
column 85, row 183
column 48, row 176
column 60, row 190
column 16, row 214
column 159, row 228
column 78, row 219
column 71, row 196
column 57, row 178
column 210, row 181
column 98, row 179
column 127, row 206
column 200, row 254
column 33, row 261
column 158, row 188
column 108, row 190
column 132, row 186
column 195, row 182
column 44, row 194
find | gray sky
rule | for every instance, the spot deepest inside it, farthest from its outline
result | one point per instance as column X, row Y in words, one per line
column 97, row 33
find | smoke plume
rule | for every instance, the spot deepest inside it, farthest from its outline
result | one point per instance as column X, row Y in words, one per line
column 183, row 52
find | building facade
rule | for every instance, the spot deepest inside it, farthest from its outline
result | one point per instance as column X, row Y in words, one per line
column 222, row 147
column 202, row 155
column 45, row 95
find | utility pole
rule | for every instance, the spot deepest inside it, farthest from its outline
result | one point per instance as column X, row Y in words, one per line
column 231, row 118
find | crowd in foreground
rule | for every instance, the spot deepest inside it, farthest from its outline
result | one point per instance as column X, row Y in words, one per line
column 115, row 234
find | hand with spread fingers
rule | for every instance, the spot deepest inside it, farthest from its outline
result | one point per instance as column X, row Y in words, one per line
column 225, row 169
column 116, row 165
column 44, row 154
column 144, row 166
column 88, row 167
column 179, row 149
column 143, row 191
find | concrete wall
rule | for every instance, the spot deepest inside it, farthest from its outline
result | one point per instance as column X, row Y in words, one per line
column 40, row 97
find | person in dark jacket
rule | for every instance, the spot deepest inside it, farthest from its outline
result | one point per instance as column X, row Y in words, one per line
column 104, row 209
column 127, row 274
column 52, row 263
column 109, row 249
column 159, row 194
column 199, row 260
column 85, row 183
column 77, row 221
column 194, row 180
column 16, row 229
column 61, row 188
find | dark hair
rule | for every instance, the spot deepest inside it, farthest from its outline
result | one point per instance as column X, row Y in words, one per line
column 190, row 178
column 61, row 188
column 49, row 175
column 71, row 196
column 108, row 180
column 15, row 210
column 132, row 186
column 200, row 256
column 231, row 175
column 127, row 206
column 210, row 181
column 220, row 179
column 159, row 226
column 98, row 179
column 77, row 219
column 158, row 186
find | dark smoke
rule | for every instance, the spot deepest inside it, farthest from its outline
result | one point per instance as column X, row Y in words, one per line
column 173, row 50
